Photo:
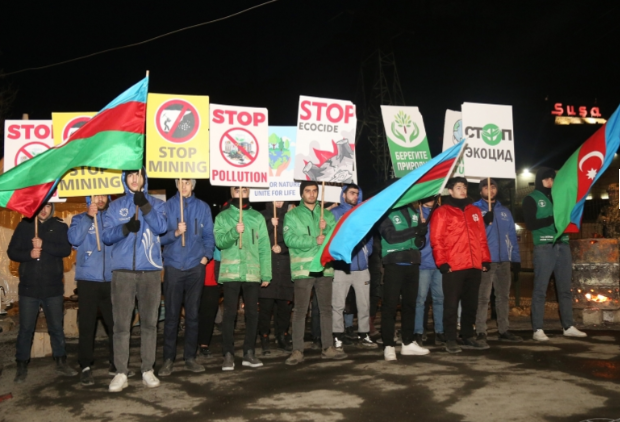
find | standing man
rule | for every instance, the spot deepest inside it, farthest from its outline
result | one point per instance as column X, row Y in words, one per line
column 354, row 275
column 93, row 272
column 40, row 285
column 243, row 269
column 549, row 257
column 610, row 215
column 184, row 273
column 136, row 272
column 302, row 235
column 279, row 293
column 504, row 249
column 459, row 243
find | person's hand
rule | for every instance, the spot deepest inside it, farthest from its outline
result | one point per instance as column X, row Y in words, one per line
column 486, row 266
column 488, row 218
column 139, row 199
column 37, row 243
column 264, row 284
column 515, row 267
column 132, row 226
column 181, row 228
column 204, row 260
column 274, row 221
column 276, row 249
column 322, row 224
column 320, row 239
column 445, row 269
column 92, row 210
column 240, row 228
column 419, row 241
column 35, row 253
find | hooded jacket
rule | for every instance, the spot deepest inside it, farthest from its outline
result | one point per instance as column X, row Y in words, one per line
column 458, row 237
column 199, row 239
column 501, row 235
column 91, row 264
column 281, row 286
column 251, row 263
column 139, row 251
column 361, row 252
column 40, row 278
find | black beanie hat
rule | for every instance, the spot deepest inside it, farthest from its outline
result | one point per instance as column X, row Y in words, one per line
column 485, row 182
column 305, row 184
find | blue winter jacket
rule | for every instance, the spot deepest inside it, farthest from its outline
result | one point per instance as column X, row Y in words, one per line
column 428, row 261
column 359, row 257
column 501, row 235
column 199, row 239
column 91, row 264
column 139, row 251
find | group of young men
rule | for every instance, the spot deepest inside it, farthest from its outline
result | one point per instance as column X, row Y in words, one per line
column 458, row 251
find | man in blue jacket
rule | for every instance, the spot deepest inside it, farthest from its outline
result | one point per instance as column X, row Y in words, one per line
column 136, row 272
column 355, row 274
column 184, row 273
column 93, row 273
column 502, row 241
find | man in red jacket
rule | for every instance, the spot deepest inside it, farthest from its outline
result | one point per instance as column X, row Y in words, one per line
column 459, row 242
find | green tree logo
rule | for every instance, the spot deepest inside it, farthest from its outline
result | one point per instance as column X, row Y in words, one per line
column 405, row 130
column 491, row 134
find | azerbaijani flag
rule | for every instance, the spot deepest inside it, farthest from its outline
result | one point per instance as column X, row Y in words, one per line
column 112, row 139
column 427, row 180
column 576, row 177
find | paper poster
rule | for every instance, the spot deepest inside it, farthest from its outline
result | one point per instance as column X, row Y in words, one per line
column 452, row 135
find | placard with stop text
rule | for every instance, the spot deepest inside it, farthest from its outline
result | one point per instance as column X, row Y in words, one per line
column 488, row 130
column 82, row 181
column 177, row 136
column 239, row 146
column 24, row 139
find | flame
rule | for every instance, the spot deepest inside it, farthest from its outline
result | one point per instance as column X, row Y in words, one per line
column 597, row 298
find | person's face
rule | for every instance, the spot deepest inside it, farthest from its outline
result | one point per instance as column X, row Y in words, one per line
column 278, row 204
column 244, row 192
column 100, row 201
column 459, row 191
column 310, row 194
column 135, row 181
column 428, row 204
column 485, row 192
column 45, row 212
column 351, row 196
column 185, row 187
column 548, row 182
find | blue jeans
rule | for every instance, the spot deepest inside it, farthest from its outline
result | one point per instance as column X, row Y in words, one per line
column 429, row 279
column 53, row 309
column 554, row 259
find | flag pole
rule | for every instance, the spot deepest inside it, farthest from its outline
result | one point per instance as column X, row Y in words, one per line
column 275, row 229
column 421, row 213
column 489, row 192
column 240, row 215
column 181, row 204
column 137, row 207
column 322, row 204
column 36, row 226
column 92, row 200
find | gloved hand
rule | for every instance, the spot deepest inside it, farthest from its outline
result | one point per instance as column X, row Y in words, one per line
column 515, row 267
column 132, row 226
column 139, row 199
column 486, row 266
column 422, row 229
column 488, row 218
column 419, row 241
column 444, row 268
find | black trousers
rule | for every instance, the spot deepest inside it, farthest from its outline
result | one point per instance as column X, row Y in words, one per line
column 231, row 301
column 282, row 316
column 460, row 286
column 399, row 281
column 209, row 302
column 93, row 296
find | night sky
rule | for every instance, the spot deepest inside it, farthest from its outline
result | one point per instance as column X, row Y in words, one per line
column 528, row 54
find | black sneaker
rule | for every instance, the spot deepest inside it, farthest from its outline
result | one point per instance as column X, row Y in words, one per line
column 452, row 347
column 316, row 344
column 229, row 362
column 166, row 369
column 482, row 339
column 250, row 360
column 351, row 335
column 419, row 339
column 205, row 352
column 22, row 372
column 440, row 339
column 63, row 368
column 264, row 344
column 471, row 343
column 508, row 336
column 283, row 343
column 86, row 377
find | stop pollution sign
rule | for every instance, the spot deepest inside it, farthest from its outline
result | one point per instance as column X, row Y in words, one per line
column 239, row 147
column 28, row 151
column 177, row 121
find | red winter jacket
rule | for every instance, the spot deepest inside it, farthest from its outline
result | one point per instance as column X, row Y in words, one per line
column 459, row 238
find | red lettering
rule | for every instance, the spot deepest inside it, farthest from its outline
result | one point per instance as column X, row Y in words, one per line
column 558, row 110
column 349, row 112
column 304, row 108
column 570, row 110
column 595, row 112
column 319, row 107
column 214, row 173
column 42, row 135
column 329, row 113
column 13, row 132
column 244, row 118
column 218, row 116
column 259, row 118
column 27, row 129
column 231, row 116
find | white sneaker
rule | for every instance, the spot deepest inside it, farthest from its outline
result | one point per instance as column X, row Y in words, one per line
column 413, row 349
column 337, row 343
column 149, row 379
column 539, row 335
column 572, row 331
column 118, row 383
column 389, row 353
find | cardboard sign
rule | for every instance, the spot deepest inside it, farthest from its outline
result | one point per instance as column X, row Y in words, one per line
column 488, row 130
column 177, row 136
column 406, row 138
column 23, row 139
column 282, row 186
column 239, row 146
column 82, row 181
column 452, row 135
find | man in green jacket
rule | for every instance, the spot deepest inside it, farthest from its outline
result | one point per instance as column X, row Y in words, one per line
column 304, row 233
column 245, row 267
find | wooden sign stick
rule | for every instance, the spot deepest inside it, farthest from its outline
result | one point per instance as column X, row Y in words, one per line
column 240, row 215
column 275, row 229
column 181, row 196
column 322, row 204
column 92, row 200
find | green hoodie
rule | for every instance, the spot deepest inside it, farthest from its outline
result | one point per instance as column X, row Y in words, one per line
column 301, row 228
column 251, row 263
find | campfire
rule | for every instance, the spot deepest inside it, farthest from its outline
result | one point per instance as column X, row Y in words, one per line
column 597, row 298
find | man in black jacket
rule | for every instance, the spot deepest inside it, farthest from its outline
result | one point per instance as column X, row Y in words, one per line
column 40, row 285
